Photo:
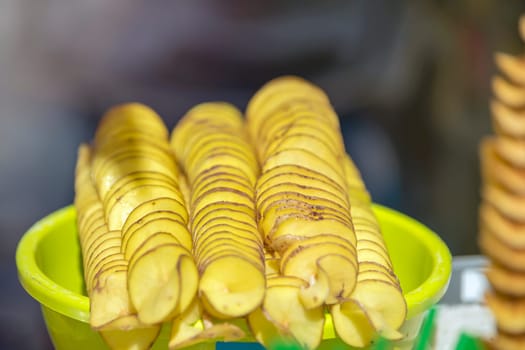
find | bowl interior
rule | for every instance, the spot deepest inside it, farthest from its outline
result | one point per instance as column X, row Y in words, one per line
column 59, row 256
column 50, row 264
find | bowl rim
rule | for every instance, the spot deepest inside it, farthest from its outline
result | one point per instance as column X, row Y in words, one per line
column 37, row 284
column 432, row 289
column 60, row 299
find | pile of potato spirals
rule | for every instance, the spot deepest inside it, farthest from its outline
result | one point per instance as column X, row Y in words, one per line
column 232, row 226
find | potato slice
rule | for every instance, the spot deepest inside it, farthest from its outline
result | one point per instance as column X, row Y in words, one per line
column 134, row 116
column 298, row 187
column 306, row 159
column 511, row 150
column 384, row 302
column 106, row 240
column 272, row 264
column 114, row 152
column 304, row 123
column 301, row 200
column 225, row 332
column 359, row 197
column 300, row 116
column 232, row 210
column 122, row 137
column 370, row 255
column 512, row 66
column 107, row 296
column 224, row 239
column 231, row 286
column 117, row 194
column 139, row 176
column 203, row 117
column 93, row 235
column 280, row 280
column 506, row 281
column 375, row 246
column 220, row 185
column 366, row 266
column 119, row 212
column 218, row 170
column 505, row 341
column 159, row 204
column 245, row 237
column 507, row 120
column 352, row 324
column 127, row 166
column 97, row 276
column 300, row 227
column 225, row 177
column 92, row 214
column 157, row 280
column 265, row 331
column 222, row 158
column 308, row 142
column 275, row 215
column 277, row 93
column 508, row 203
column 508, row 312
column 222, row 194
column 109, row 256
column 113, row 168
column 159, row 226
column 136, row 338
column 508, row 93
column 322, row 189
column 303, row 174
column 494, row 169
column 252, row 255
column 337, row 261
column 290, row 318
column 221, row 141
column 239, row 224
column 224, row 223
column 505, row 255
column 237, row 151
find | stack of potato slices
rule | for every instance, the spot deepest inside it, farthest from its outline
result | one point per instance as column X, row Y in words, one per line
column 377, row 303
column 502, row 219
column 302, row 201
column 229, row 226
column 221, row 170
column 306, row 212
column 141, row 235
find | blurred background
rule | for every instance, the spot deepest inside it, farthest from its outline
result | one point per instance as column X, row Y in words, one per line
column 410, row 81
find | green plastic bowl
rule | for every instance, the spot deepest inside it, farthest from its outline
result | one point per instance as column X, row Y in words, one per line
column 49, row 265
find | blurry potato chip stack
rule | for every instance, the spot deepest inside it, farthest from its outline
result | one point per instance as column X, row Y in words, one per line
column 232, row 228
column 502, row 214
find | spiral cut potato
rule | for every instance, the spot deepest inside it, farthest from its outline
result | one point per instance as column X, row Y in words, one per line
column 316, row 217
column 377, row 304
column 501, row 218
column 296, row 135
column 221, row 169
column 137, row 248
column 105, row 268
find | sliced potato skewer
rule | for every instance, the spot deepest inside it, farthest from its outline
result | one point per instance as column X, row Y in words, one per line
column 221, row 170
column 377, row 305
column 137, row 179
column 111, row 312
column 292, row 211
